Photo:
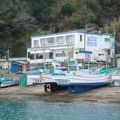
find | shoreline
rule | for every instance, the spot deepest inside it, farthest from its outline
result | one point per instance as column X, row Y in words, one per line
column 101, row 95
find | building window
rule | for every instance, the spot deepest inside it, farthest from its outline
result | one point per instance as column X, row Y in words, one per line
column 60, row 54
column 31, row 56
column 60, row 40
column 28, row 54
column 70, row 39
column 92, row 41
column 42, row 41
column 39, row 56
column 100, row 54
column 108, row 52
column 80, row 38
column 36, row 43
column 51, row 55
column 107, row 39
column 50, row 41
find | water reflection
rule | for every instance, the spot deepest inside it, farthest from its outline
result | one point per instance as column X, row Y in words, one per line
column 39, row 110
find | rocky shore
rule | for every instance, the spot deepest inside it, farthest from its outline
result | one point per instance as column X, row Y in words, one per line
column 101, row 95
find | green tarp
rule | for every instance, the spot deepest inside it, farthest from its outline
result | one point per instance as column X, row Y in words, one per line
column 108, row 71
column 23, row 80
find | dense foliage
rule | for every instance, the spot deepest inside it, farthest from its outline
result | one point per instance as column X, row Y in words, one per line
column 20, row 19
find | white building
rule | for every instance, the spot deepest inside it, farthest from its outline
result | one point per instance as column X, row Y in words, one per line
column 74, row 44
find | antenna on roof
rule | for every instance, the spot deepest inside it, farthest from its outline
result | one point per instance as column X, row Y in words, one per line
column 86, row 28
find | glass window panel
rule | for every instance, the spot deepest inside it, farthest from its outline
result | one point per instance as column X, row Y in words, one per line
column 42, row 41
column 50, row 40
column 80, row 37
column 39, row 56
column 60, row 40
column 107, row 39
column 70, row 38
column 60, row 54
column 92, row 41
column 31, row 56
column 36, row 43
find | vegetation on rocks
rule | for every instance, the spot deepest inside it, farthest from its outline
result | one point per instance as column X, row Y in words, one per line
column 20, row 19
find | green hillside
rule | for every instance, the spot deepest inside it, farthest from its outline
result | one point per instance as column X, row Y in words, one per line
column 20, row 19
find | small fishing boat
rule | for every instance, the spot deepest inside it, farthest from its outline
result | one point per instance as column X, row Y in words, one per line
column 115, row 75
column 6, row 82
column 76, row 83
column 82, row 83
column 39, row 77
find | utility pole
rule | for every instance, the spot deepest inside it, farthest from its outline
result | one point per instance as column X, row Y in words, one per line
column 106, row 60
column 89, row 62
column 8, row 55
column 113, row 49
column 68, row 60
column 114, row 60
column 44, row 59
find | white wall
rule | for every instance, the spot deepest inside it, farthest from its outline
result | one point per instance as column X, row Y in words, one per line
column 104, row 44
column 78, row 43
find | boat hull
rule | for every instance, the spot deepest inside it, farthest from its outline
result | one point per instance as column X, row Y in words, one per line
column 77, row 83
column 7, row 83
column 81, row 83
column 83, row 87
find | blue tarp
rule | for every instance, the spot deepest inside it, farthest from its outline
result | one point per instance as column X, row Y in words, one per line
column 16, row 66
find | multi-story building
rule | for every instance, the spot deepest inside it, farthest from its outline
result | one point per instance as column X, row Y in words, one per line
column 78, row 44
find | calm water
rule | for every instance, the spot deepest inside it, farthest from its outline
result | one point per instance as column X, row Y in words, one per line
column 39, row 110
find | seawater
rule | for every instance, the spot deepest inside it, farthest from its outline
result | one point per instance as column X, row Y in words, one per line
column 40, row 110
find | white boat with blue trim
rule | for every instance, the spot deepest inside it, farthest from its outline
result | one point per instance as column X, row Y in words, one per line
column 77, row 83
column 82, row 83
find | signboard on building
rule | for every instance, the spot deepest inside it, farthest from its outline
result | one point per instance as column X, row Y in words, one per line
column 86, row 52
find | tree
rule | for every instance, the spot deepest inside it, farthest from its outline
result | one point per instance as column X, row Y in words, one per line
column 67, row 10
